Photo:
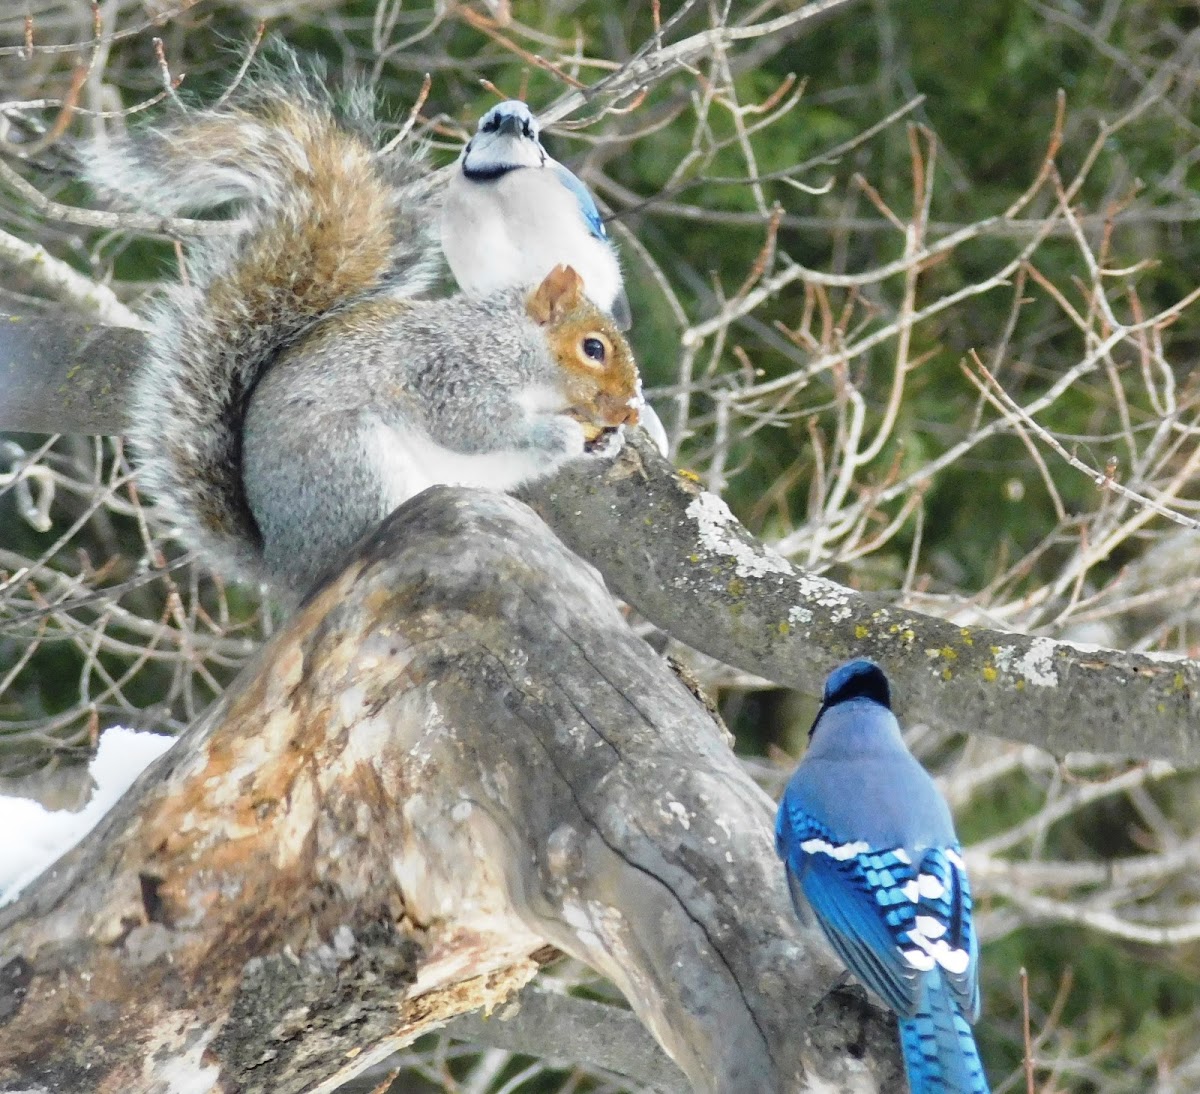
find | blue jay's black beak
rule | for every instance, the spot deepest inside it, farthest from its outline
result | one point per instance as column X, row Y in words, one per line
column 511, row 125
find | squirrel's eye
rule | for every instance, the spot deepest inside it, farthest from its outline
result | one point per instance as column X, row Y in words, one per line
column 593, row 348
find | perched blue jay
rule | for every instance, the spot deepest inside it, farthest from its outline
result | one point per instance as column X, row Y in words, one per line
column 512, row 213
column 869, row 845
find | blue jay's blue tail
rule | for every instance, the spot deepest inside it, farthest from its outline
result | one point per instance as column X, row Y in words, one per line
column 939, row 1049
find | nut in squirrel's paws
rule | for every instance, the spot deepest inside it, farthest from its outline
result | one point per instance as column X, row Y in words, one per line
column 606, row 440
column 606, row 436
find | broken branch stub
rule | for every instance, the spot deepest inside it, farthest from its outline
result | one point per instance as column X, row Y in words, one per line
column 456, row 752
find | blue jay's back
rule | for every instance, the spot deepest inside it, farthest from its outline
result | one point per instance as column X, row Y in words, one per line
column 512, row 213
column 869, row 845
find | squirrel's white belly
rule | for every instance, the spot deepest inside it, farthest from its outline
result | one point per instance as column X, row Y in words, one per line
column 409, row 462
column 512, row 232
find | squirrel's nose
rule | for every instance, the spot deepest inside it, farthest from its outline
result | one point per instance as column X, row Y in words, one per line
column 616, row 411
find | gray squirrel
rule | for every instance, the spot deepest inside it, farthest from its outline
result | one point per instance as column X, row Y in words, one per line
column 298, row 387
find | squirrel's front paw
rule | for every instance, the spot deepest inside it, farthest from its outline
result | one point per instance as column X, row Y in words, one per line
column 558, row 436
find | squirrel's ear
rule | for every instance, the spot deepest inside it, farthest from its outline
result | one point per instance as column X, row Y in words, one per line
column 558, row 294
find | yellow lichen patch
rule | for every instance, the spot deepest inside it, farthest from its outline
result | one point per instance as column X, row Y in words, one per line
column 691, row 476
column 1020, row 685
column 785, row 628
column 947, row 674
column 965, row 632
column 861, row 632
column 949, row 654
column 1180, row 682
column 693, row 558
column 736, row 587
column 990, row 674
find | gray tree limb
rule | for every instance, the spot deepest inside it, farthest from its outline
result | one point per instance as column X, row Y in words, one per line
column 678, row 555
column 685, row 563
column 541, row 1022
column 64, row 375
column 455, row 753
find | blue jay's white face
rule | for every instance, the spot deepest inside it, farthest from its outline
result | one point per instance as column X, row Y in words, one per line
column 507, row 138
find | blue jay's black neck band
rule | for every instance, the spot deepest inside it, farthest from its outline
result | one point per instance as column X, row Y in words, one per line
column 491, row 172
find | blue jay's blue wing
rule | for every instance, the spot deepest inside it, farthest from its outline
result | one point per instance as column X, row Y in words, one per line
column 839, row 892
column 951, row 909
column 890, row 919
column 587, row 205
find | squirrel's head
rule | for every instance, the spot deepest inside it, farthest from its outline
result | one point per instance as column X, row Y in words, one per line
column 601, row 377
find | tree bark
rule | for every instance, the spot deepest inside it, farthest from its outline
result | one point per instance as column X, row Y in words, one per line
column 455, row 753
column 679, row 556
column 64, row 375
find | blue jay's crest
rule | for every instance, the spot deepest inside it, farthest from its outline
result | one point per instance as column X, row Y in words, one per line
column 868, row 846
column 506, row 139
column 860, row 679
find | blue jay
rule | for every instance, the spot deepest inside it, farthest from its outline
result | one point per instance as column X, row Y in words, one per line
column 869, row 845
column 512, row 213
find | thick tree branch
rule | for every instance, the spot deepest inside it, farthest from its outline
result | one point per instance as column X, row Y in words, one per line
column 455, row 753
column 684, row 562
column 542, row 1022
column 63, row 375
column 678, row 555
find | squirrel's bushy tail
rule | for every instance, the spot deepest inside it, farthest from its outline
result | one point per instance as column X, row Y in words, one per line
column 325, row 219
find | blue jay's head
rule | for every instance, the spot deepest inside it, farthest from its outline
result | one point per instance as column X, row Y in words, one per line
column 507, row 138
column 860, row 679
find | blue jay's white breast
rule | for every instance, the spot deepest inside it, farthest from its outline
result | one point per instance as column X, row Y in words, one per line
column 512, row 231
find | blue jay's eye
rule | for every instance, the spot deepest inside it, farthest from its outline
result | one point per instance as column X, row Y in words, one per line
column 594, row 349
